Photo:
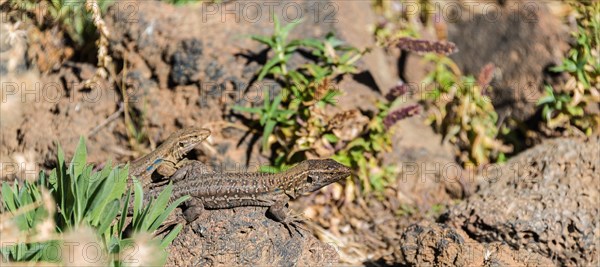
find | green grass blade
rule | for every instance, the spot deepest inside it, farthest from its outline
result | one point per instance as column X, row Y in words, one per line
column 138, row 198
column 170, row 237
column 106, row 193
column 110, row 213
column 119, row 185
column 163, row 216
column 274, row 106
column 267, row 67
column 124, row 211
column 267, row 132
column 61, row 182
column 81, row 196
column 289, row 27
column 78, row 162
column 263, row 39
column 277, row 24
column 97, row 178
column 247, row 109
column 312, row 43
column 8, row 197
column 159, row 206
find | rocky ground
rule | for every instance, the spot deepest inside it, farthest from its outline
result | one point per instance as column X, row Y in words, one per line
column 185, row 67
column 545, row 201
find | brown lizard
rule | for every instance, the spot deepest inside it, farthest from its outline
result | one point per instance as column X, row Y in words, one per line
column 229, row 190
column 167, row 157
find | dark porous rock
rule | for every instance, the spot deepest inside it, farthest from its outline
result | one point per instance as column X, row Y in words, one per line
column 245, row 236
column 430, row 244
column 185, row 62
column 544, row 200
column 434, row 244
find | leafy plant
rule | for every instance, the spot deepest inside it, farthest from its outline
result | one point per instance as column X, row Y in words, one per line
column 463, row 113
column 365, row 152
column 305, row 90
column 270, row 116
column 395, row 24
column 568, row 106
column 23, row 218
column 282, row 49
column 458, row 106
column 294, row 123
column 80, row 199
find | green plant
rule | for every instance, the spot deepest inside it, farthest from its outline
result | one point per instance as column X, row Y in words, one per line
column 305, row 90
column 457, row 104
column 365, row 151
column 395, row 24
column 82, row 202
column 270, row 116
column 463, row 113
column 557, row 108
column 293, row 120
column 568, row 106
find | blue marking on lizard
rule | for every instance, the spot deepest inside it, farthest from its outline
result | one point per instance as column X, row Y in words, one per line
column 154, row 164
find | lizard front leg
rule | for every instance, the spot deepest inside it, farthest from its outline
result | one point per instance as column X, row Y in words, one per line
column 162, row 169
column 166, row 168
column 191, row 167
column 279, row 211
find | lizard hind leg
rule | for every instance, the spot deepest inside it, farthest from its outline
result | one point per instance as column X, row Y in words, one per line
column 193, row 210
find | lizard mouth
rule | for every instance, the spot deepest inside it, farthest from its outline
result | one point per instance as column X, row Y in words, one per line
column 189, row 147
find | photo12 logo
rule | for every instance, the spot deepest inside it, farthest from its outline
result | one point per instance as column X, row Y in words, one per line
column 255, row 11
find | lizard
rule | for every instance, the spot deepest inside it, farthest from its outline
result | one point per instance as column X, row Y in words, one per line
column 221, row 190
column 167, row 157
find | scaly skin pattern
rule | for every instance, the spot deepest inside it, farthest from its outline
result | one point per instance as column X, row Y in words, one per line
column 229, row 190
column 166, row 158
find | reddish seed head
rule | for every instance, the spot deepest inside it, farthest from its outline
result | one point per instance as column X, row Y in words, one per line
column 425, row 46
column 485, row 76
column 400, row 114
column 396, row 91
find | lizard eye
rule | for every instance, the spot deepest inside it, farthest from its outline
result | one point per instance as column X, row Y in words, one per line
column 309, row 179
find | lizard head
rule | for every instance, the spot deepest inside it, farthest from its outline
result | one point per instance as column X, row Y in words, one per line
column 317, row 173
column 186, row 139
